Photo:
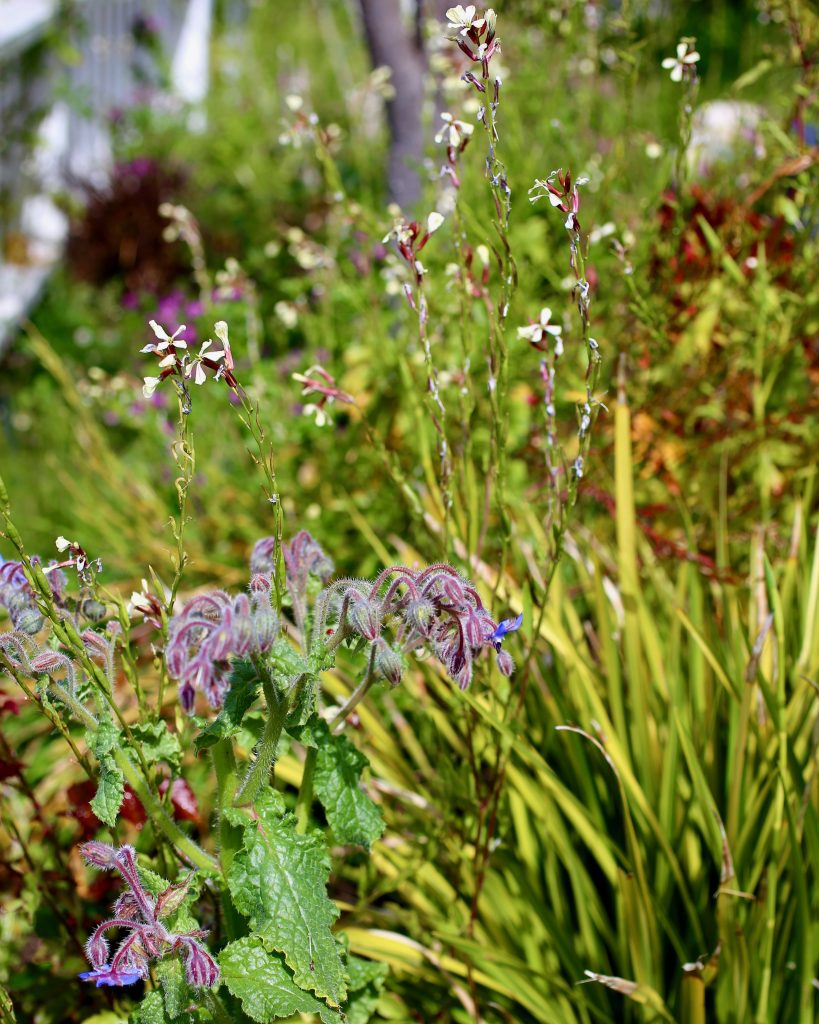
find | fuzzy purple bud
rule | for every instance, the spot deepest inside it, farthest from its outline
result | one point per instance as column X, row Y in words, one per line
column 99, row 855
column 201, row 970
column 506, row 665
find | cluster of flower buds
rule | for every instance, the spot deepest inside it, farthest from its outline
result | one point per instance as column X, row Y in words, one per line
column 435, row 609
column 142, row 917
column 475, row 36
column 24, row 654
column 210, row 630
column 411, row 238
column 560, row 192
column 17, row 597
column 318, row 383
column 303, row 557
column 176, row 361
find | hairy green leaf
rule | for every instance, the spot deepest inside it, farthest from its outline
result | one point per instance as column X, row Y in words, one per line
column 278, row 880
column 110, row 791
column 366, row 979
column 158, row 743
column 177, row 992
column 352, row 815
column 150, row 1011
column 264, row 984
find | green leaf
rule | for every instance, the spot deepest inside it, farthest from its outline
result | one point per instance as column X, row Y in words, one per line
column 264, row 984
column 177, row 992
column 151, row 1010
column 278, row 880
column 367, row 978
column 111, row 790
column 352, row 815
column 103, row 740
column 286, row 662
column 158, row 743
column 244, row 686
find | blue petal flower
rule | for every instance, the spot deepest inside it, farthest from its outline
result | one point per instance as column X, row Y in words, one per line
column 106, row 975
column 507, row 626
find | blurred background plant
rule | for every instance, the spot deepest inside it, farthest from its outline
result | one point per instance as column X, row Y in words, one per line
column 669, row 844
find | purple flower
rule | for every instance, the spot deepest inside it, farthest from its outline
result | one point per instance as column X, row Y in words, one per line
column 435, row 608
column 142, row 917
column 106, row 975
column 210, row 630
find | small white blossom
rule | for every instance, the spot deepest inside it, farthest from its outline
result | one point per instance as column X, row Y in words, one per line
column 683, row 63
column 453, row 130
column 150, row 386
column 461, row 17
column 63, row 544
column 535, row 332
column 434, row 221
column 165, row 340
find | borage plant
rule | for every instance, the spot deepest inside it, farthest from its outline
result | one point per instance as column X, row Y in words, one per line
column 255, row 659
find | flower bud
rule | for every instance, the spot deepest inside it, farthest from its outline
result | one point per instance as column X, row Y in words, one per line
column 365, row 618
column 506, row 664
column 99, row 855
column 200, row 968
column 421, row 615
column 28, row 621
column 265, row 627
column 259, row 584
column 96, row 949
column 388, row 663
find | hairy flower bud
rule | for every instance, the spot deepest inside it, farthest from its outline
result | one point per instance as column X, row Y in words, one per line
column 421, row 614
column 388, row 663
column 29, row 620
column 201, row 970
column 99, row 855
column 506, row 664
column 365, row 618
column 96, row 949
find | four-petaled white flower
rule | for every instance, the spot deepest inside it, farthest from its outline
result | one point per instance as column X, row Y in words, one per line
column 63, row 544
column 166, row 344
column 683, row 63
column 195, row 370
column 462, row 17
column 453, row 130
column 535, row 332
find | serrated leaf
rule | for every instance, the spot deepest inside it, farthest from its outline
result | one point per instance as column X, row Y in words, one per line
column 177, row 993
column 278, row 880
column 286, row 661
column 264, row 984
column 352, row 815
column 244, row 687
column 158, row 743
column 367, row 978
column 150, row 1011
column 103, row 739
column 110, row 791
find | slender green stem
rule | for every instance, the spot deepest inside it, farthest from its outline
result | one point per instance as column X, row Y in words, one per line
column 359, row 693
column 304, row 801
column 265, row 760
column 230, row 835
column 160, row 818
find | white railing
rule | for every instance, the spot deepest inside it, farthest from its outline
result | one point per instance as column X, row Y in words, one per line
column 55, row 115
